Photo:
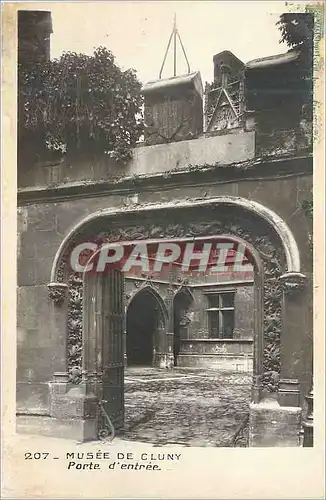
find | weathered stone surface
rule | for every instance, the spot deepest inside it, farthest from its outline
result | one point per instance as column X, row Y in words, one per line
column 156, row 159
column 220, row 363
column 73, row 403
column 289, row 393
column 45, row 220
column 75, row 429
column 273, row 425
column 32, row 398
column 244, row 306
column 26, row 272
column 173, row 109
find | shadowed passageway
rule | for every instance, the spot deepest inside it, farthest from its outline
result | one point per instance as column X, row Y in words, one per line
column 142, row 319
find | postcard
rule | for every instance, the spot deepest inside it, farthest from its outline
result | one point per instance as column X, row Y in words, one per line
column 163, row 249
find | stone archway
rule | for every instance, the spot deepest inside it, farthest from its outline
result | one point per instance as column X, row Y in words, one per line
column 276, row 264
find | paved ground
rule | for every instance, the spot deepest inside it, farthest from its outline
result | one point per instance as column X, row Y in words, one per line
column 189, row 407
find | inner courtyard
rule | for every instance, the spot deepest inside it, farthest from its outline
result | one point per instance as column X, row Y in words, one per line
column 185, row 406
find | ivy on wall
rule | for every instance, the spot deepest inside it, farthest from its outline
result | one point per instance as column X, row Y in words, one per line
column 81, row 102
column 307, row 207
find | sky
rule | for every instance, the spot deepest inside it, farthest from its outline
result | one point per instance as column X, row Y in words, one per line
column 138, row 32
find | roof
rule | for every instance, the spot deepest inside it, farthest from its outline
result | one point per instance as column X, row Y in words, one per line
column 160, row 85
column 276, row 60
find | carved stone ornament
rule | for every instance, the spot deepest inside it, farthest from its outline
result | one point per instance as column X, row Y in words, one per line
column 75, row 328
column 293, row 282
column 185, row 320
column 182, row 281
column 212, row 222
column 57, row 292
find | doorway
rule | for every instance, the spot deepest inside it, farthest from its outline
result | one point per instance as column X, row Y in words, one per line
column 143, row 316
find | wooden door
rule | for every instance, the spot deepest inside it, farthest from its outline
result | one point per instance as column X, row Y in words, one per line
column 112, row 347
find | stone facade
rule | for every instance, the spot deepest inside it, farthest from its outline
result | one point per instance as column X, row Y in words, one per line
column 197, row 346
column 211, row 184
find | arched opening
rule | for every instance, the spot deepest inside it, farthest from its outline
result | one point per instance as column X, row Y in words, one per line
column 144, row 320
column 275, row 258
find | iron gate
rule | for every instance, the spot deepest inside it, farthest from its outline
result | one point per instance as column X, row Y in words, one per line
column 112, row 384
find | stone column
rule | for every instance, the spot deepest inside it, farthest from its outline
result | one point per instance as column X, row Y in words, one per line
column 73, row 407
column 58, row 295
column 73, row 398
column 169, row 333
column 256, row 389
column 161, row 349
column 170, row 354
column 293, row 300
column 308, row 422
column 277, row 422
column 58, row 386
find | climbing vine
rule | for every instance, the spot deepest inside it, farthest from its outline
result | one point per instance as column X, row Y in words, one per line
column 81, row 102
column 307, row 207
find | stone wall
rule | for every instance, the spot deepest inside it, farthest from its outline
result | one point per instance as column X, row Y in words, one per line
column 198, row 349
column 147, row 161
column 196, row 346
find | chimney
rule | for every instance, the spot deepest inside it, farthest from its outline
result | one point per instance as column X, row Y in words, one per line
column 34, row 30
column 226, row 66
column 225, row 72
column 173, row 109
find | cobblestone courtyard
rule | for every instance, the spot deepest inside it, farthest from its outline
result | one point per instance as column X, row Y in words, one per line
column 190, row 407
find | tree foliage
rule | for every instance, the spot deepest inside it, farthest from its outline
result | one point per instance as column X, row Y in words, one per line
column 81, row 102
column 297, row 30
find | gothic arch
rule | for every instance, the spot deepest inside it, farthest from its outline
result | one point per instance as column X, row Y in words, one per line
column 184, row 289
column 273, row 220
column 155, row 294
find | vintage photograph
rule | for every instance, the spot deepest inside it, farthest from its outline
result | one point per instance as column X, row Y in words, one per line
column 165, row 223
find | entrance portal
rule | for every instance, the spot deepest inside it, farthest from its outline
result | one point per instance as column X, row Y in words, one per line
column 142, row 324
column 149, row 335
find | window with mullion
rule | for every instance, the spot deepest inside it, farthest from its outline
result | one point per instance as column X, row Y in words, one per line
column 221, row 315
